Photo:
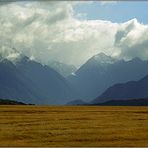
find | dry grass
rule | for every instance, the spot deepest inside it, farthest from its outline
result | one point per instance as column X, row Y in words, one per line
column 73, row 126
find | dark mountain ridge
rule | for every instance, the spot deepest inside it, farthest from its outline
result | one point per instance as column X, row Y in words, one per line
column 10, row 102
column 129, row 90
column 132, row 102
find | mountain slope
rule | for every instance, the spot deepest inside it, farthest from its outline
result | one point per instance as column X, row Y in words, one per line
column 63, row 69
column 31, row 82
column 129, row 90
column 10, row 102
column 132, row 102
column 102, row 71
column 10, row 82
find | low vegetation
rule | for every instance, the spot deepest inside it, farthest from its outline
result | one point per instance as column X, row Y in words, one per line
column 73, row 126
column 10, row 102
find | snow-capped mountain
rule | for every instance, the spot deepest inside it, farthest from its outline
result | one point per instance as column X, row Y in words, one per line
column 101, row 58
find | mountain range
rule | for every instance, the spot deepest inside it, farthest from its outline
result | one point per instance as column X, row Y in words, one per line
column 102, row 78
column 102, row 71
column 31, row 82
column 132, row 93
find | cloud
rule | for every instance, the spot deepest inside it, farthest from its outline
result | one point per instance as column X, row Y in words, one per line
column 47, row 31
column 108, row 2
column 132, row 40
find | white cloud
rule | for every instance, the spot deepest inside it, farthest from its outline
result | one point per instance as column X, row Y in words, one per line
column 132, row 40
column 107, row 2
column 49, row 31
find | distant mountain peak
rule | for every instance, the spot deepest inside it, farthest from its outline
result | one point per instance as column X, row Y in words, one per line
column 103, row 58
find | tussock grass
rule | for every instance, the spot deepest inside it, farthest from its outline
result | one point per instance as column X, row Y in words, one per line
column 73, row 126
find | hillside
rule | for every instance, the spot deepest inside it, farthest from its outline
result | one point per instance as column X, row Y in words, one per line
column 129, row 90
column 10, row 102
column 133, row 102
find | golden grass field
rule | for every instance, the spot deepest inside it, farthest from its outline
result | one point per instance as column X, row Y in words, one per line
column 73, row 126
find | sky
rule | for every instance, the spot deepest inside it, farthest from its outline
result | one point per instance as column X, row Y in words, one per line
column 120, row 11
column 71, row 32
